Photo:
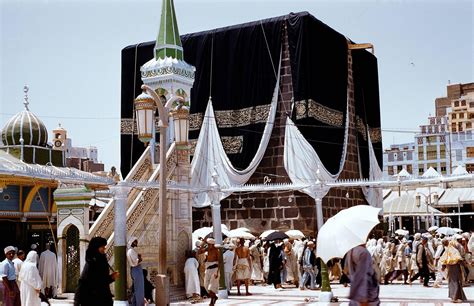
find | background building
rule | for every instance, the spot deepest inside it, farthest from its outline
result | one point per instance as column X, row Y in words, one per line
column 399, row 157
column 454, row 91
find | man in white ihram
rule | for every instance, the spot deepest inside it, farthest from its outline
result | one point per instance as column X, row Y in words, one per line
column 48, row 269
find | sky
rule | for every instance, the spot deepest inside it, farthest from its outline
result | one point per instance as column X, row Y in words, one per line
column 68, row 52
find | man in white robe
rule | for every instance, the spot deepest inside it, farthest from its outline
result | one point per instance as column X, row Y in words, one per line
column 228, row 264
column 31, row 283
column 191, row 276
column 48, row 269
column 18, row 261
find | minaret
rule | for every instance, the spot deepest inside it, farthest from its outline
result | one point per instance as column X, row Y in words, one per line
column 167, row 73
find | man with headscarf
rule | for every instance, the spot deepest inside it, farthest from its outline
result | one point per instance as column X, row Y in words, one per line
column 11, row 292
column 292, row 270
column 255, row 253
column 400, row 264
column 48, row 269
column 439, row 269
column 211, row 277
column 31, row 283
column 228, row 257
column 191, row 275
column 451, row 259
column 364, row 283
column 93, row 288
column 134, row 260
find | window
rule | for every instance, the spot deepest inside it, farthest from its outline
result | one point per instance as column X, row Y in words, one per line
column 470, row 167
column 390, row 170
column 442, row 151
column 421, row 169
column 400, row 157
column 399, row 168
column 470, row 151
column 431, row 152
column 461, row 115
column 456, row 103
column 468, row 135
column 471, row 104
column 443, row 168
column 390, row 157
column 453, row 116
column 410, row 169
column 421, row 155
column 431, row 139
column 471, row 116
column 434, row 166
column 409, row 155
column 463, row 103
column 468, row 125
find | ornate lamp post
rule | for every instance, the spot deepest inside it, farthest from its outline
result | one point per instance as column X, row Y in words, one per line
column 427, row 202
column 146, row 104
column 181, row 123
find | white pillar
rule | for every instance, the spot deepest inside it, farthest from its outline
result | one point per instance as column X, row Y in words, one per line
column 120, row 243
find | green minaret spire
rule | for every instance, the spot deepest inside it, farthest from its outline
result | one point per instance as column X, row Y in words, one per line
column 168, row 42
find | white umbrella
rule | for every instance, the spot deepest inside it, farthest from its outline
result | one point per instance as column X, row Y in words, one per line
column 401, row 232
column 346, row 230
column 266, row 233
column 457, row 230
column 447, row 231
column 433, row 228
column 240, row 233
column 295, row 234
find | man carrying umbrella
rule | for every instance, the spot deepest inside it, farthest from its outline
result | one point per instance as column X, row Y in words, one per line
column 364, row 282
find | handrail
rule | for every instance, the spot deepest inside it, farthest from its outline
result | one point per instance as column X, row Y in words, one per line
column 105, row 219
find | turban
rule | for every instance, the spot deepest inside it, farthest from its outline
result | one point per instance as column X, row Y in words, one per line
column 9, row 249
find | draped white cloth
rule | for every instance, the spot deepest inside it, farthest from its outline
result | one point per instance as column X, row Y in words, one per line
column 30, row 281
column 210, row 156
column 373, row 195
column 191, row 277
column 302, row 163
column 48, row 269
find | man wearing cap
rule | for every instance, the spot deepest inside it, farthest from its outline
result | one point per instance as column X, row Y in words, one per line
column 11, row 293
column 134, row 260
column 211, row 276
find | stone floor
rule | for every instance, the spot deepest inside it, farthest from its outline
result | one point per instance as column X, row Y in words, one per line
column 390, row 295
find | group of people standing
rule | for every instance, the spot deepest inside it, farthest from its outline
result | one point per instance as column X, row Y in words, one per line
column 427, row 256
column 28, row 280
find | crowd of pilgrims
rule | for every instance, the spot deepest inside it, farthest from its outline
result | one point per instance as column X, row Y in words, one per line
column 431, row 257
column 28, row 278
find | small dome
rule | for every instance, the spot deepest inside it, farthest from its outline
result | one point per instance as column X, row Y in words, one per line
column 25, row 125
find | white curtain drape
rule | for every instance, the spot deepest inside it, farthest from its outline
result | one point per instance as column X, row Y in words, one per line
column 209, row 155
column 373, row 195
column 302, row 161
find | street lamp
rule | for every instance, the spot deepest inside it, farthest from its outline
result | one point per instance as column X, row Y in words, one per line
column 145, row 105
column 181, row 123
column 427, row 202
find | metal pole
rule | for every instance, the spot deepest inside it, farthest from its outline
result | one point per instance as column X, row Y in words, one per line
column 217, row 231
column 326, row 294
column 459, row 213
column 120, row 245
column 162, row 292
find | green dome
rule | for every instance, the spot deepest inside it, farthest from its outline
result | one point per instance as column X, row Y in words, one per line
column 25, row 125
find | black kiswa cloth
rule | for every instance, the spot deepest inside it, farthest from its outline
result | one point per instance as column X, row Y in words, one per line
column 367, row 105
column 319, row 71
column 242, row 77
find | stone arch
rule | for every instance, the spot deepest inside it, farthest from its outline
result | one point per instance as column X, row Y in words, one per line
column 71, row 220
column 183, row 246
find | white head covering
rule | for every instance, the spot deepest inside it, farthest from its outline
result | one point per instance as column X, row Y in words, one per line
column 229, row 246
column 211, row 241
column 417, row 236
column 29, row 272
column 457, row 236
column 9, row 249
column 33, row 246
